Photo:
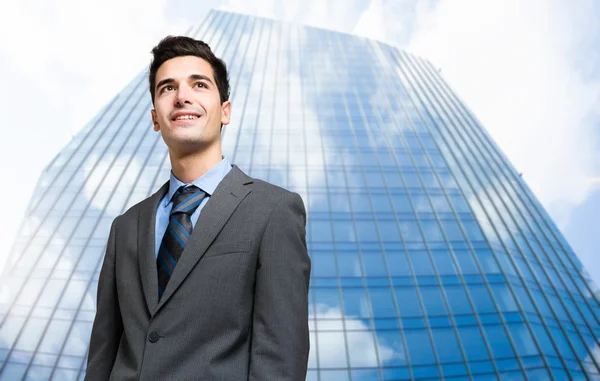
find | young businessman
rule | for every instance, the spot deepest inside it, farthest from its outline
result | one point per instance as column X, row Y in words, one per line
column 207, row 279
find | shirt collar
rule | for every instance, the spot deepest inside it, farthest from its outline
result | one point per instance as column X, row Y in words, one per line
column 207, row 182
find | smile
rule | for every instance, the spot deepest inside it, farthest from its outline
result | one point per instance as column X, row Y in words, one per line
column 186, row 117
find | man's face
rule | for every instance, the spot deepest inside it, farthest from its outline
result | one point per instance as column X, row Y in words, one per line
column 187, row 107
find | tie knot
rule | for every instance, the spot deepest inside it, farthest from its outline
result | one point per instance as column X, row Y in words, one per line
column 187, row 199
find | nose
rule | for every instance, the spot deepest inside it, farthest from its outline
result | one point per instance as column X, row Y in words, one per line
column 183, row 95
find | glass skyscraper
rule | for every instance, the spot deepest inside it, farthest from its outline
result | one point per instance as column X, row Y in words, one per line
column 432, row 259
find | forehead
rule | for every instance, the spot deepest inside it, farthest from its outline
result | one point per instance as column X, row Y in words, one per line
column 180, row 68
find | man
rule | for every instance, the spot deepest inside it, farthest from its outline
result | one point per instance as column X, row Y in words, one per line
column 207, row 279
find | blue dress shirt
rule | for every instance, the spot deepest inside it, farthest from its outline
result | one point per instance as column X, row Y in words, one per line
column 207, row 182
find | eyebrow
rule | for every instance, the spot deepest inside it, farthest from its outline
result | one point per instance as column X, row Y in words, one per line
column 200, row 77
column 193, row 76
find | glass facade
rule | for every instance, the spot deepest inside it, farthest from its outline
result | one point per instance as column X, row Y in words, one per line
column 431, row 257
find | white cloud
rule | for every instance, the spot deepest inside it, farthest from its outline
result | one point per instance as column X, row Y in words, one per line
column 61, row 64
column 392, row 21
column 363, row 350
column 371, row 24
column 102, row 182
column 595, row 355
column 512, row 63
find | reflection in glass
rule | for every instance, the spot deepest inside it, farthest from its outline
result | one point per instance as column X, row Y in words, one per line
column 430, row 256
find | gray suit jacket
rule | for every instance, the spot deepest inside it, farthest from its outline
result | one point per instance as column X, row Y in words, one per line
column 236, row 306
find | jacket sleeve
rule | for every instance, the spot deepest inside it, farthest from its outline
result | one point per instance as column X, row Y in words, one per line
column 280, row 341
column 108, row 326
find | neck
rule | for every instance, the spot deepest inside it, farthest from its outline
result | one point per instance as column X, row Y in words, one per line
column 191, row 166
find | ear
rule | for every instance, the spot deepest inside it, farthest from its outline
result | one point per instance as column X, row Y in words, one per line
column 155, row 120
column 225, row 112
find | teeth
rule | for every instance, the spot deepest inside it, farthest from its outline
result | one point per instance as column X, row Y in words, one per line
column 186, row 117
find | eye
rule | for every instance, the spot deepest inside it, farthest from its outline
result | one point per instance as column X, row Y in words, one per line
column 167, row 88
column 200, row 84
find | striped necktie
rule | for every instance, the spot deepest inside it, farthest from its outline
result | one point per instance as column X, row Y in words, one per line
column 185, row 202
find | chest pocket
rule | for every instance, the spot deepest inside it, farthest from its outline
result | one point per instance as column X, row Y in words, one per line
column 228, row 247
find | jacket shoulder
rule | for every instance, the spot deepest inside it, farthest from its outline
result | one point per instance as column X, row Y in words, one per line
column 261, row 186
column 133, row 212
column 273, row 197
column 134, row 209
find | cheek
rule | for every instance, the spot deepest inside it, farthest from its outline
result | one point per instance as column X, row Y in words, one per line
column 162, row 111
column 164, row 119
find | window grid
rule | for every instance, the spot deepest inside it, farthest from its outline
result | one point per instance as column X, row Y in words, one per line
column 543, row 218
column 425, row 314
column 33, row 208
column 447, row 124
column 341, row 373
column 561, row 301
column 255, row 93
column 354, row 128
column 39, row 294
column 504, row 323
column 337, row 47
column 451, row 315
column 246, row 77
column 258, row 122
column 553, row 241
column 342, row 290
column 240, row 37
column 54, row 313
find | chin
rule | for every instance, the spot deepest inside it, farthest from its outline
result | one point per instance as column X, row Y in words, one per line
column 190, row 145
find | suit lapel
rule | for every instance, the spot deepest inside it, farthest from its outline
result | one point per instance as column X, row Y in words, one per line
column 219, row 208
column 146, row 249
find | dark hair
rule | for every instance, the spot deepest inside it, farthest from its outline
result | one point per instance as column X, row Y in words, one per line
column 177, row 46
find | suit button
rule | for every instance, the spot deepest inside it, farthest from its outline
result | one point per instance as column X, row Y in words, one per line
column 154, row 337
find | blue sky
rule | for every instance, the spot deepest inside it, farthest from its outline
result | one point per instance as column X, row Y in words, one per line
column 529, row 70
